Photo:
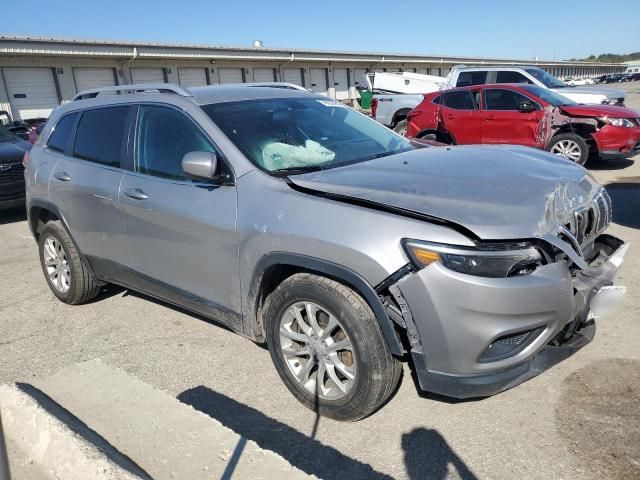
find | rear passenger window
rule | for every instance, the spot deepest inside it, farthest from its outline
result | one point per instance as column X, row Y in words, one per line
column 511, row 77
column 59, row 138
column 164, row 137
column 101, row 135
column 458, row 100
column 466, row 79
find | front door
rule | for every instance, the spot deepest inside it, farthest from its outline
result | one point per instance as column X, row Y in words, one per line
column 181, row 234
column 503, row 122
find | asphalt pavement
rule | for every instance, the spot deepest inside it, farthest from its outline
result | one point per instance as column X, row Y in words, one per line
column 579, row 420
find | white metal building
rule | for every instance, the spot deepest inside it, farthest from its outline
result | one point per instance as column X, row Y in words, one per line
column 37, row 74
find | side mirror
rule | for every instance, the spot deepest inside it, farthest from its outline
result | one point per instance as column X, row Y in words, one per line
column 202, row 165
column 527, row 106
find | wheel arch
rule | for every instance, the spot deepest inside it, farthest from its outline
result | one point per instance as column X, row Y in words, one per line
column 40, row 213
column 399, row 116
column 273, row 268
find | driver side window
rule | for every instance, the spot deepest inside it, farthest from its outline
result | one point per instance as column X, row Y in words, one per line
column 503, row 99
column 164, row 136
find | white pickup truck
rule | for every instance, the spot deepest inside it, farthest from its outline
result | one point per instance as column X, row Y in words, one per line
column 396, row 94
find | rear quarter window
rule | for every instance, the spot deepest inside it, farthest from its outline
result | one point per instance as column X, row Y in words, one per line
column 101, row 134
column 59, row 138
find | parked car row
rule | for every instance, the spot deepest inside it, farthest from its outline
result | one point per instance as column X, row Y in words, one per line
column 619, row 78
column 346, row 248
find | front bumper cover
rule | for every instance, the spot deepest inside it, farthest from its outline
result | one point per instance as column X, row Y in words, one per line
column 460, row 315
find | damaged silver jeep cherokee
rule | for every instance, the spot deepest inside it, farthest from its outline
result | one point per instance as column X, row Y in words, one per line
column 299, row 222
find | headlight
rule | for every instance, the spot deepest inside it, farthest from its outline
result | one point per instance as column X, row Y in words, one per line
column 618, row 122
column 496, row 260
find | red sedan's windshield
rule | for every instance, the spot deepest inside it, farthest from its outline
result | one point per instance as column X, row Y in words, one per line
column 548, row 96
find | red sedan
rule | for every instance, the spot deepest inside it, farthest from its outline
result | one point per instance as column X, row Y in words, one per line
column 526, row 115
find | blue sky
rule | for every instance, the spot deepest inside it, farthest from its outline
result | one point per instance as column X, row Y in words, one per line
column 523, row 29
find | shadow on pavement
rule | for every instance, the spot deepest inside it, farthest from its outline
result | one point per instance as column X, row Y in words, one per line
column 619, row 164
column 12, row 216
column 625, row 197
column 299, row 450
column 427, row 455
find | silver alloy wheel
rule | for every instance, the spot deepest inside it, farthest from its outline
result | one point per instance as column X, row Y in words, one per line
column 567, row 149
column 57, row 265
column 317, row 350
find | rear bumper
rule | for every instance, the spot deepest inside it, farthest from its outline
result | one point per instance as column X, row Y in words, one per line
column 459, row 318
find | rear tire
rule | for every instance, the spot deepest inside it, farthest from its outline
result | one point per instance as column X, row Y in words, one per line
column 401, row 127
column 375, row 371
column 68, row 277
column 570, row 146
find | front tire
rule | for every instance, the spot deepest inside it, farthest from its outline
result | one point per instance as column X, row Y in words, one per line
column 570, row 146
column 328, row 349
column 68, row 277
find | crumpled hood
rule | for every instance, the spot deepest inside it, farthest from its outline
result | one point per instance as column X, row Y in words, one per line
column 610, row 93
column 599, row 111
column 12, row 152
column 496, row 192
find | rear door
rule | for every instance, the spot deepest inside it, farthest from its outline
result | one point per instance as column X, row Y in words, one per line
column 180, row 234
column 460, row 116
column 86, row 178
column 503, row 122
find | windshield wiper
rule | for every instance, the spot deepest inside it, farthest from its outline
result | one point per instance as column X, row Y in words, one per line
column 296, row 170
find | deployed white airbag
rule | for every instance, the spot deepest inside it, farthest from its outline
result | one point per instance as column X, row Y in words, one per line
column 280, row 155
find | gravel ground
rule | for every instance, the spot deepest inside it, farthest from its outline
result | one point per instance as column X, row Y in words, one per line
column 579, row 420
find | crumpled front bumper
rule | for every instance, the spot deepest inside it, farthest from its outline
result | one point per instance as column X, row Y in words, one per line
column 457, row 317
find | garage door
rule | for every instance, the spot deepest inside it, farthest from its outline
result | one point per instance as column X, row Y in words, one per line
column 192, row 77
column 230, row 75
column 293, row 75
column 147, row 75
column 359, row 79
column 87, row 78
column 318, row 80
column 32, row 92
column 341, row 83
column 264, row 75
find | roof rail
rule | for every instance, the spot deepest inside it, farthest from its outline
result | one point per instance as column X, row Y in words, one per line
column 135, row 88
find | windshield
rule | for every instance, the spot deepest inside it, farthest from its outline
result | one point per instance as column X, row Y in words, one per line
column 547, row 80
column 289, row 134
column 549, row 96
column 5, row 135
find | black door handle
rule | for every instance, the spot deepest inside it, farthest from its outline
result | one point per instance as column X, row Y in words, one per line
column 62, row 176
column 136, row 194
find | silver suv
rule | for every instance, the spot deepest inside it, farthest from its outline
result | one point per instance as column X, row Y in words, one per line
column 299, row 222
